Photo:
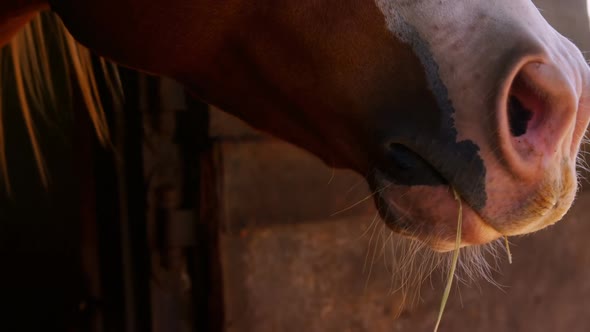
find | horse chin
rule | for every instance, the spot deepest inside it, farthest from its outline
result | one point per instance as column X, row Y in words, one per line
column 429, row 214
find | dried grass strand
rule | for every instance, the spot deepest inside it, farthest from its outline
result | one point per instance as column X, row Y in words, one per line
column 451, row 275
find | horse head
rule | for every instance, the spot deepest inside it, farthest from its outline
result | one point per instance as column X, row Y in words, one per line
column 423, row 97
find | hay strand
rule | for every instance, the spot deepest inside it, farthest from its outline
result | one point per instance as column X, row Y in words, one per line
column 508, row 249
column 451, row 275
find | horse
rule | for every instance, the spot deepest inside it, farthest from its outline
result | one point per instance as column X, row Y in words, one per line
column 424, row 98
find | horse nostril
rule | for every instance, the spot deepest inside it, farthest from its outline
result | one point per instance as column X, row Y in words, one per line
column 518, row 116
column 527, row 102
column 538, row 114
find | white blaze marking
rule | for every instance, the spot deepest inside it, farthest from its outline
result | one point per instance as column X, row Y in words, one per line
column 405, row 32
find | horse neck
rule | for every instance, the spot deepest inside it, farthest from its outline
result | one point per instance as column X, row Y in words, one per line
column 287, row 67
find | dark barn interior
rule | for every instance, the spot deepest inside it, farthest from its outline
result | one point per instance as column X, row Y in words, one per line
column 192, row 221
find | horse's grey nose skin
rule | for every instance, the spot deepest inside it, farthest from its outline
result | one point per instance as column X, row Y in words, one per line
column 405, row 167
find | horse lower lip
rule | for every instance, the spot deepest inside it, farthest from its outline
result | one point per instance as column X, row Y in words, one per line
column 429, row 215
